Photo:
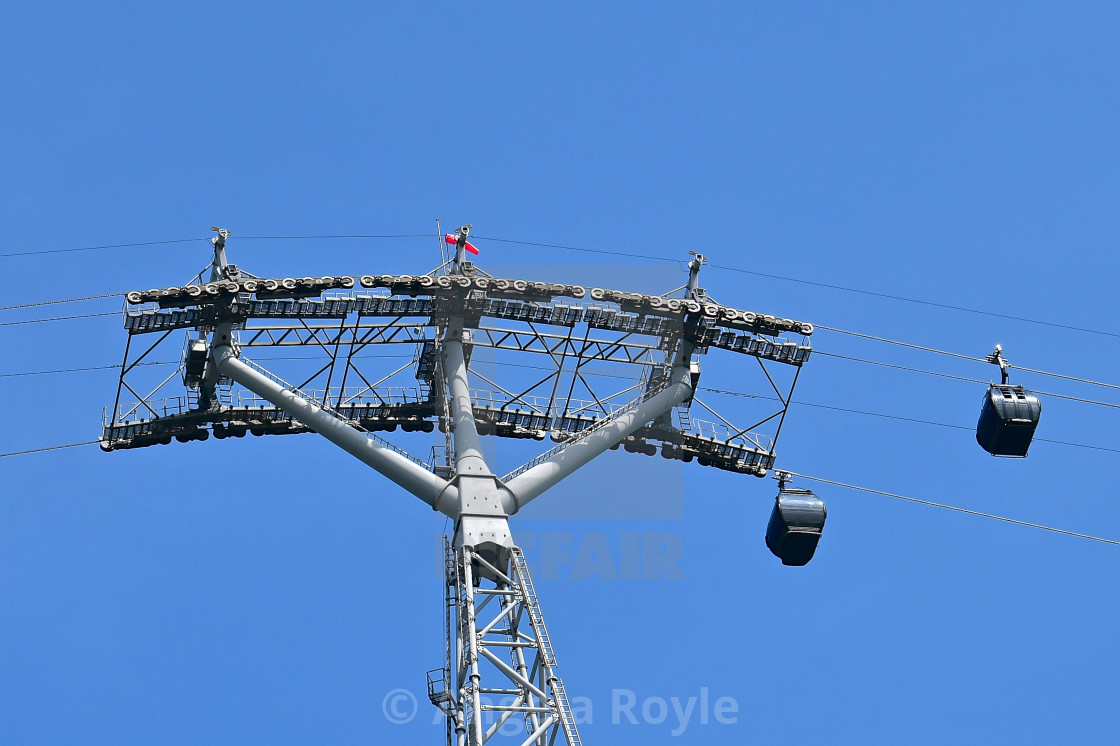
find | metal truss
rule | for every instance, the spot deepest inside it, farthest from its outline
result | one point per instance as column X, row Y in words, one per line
column 344, row 329
column 500, row 666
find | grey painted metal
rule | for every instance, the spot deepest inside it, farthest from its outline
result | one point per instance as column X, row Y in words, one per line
column 211, row 376
column 504, row 661
column 468, row 446
column 498, row 646
column 472, row 687
column 545, row 475
column 693, row 286
column 461, row 246
column 484, row 503
column 430, row 488
column 219, row 264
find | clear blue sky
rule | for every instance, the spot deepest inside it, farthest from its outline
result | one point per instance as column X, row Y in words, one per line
column 274, row 591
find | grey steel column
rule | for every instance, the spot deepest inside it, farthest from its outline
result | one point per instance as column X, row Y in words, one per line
column 472, row 650
column 468, row 447
column 484, row 504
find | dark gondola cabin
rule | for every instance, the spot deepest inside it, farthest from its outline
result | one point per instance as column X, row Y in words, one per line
column 795, row 526
column 1008, row 420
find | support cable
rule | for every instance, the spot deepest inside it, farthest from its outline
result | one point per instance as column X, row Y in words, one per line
column 1076, row 398
column 348, row 235
column 814, row 283
column 1064, row 377
column 61, row 300
column 883, row 415
column 606, row 252
column 918, row 301
column 965, row 357
column 576, row 248
column 899, row 367
column 200, row 238
column 99, row 248
column 711, row 390
column 962, row 378
column 49, row 448
column 176, row 362
column 901, row 344
column 60, row 318
column 599, row 251
column 114, row 366
column 953, row 507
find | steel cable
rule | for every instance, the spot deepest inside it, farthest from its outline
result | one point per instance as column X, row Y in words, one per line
column 99, row 248
column 964, row 357
column 962, row 378
column 576, row 248
column 952, row 507
column 61, row 300
column 49, row 448
column 899, row 367
column 60, row 370
column 918, row 301
column 900, row 418
column 814, row 283
column 350, row 235
column 59, row 318
column 606, row 252
column 203, row 238
column 901, row 344
column 1065, row 377
column 115, row 366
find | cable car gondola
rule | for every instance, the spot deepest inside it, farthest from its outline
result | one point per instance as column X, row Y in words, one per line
column 795, row 525
column 1008, row 417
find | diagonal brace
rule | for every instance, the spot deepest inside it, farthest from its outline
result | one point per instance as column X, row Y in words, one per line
column 433, row 490
column 547, row 474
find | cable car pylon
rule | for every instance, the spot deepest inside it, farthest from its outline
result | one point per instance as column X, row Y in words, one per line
column 500, row 663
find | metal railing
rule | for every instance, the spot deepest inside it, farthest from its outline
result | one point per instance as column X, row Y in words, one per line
column 332, row 412
column 143, row 411
column 655, row 388
column 717, row 431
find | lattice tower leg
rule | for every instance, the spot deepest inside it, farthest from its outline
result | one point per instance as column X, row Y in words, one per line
column 505, row 667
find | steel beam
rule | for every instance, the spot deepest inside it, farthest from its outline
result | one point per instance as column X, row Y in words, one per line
column 542, row 477
column 433, row 490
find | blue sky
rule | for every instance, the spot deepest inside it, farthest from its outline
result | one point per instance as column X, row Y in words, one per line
column 272, row 590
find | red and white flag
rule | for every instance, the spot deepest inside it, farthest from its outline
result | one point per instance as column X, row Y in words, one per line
column 452, row 239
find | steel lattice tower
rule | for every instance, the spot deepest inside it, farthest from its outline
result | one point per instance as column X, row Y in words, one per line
column 499, row 658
